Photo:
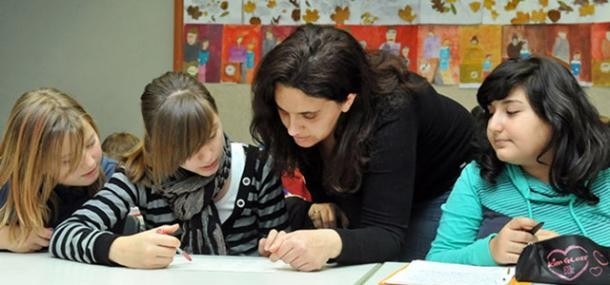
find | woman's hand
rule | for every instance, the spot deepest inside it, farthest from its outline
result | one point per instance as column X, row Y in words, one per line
column 511, row 240
column 304, row 250
column 154, row 248
column 36, row 240
column 325, row 216
column 264, row 243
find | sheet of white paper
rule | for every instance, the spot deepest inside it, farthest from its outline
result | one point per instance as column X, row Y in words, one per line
column 237, row 264
column 421, row 272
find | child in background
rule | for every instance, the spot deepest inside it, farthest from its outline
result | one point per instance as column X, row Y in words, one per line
column 50, row 164
column 117, row 145
column 186, row 174
column 546, row 160
column 319, row 215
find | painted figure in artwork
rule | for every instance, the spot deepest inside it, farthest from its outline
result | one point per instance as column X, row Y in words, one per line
column 525, row 53
column 249, row 70
column 390, row 45
column 238, row 54
column 204, row 57
column 269, row 42
column 576, row 64
column 606, row 46
column 561, row 48
column 513, row 50
column 191, row 50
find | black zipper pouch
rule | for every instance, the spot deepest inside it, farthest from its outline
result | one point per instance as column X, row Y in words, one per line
column 568, row 259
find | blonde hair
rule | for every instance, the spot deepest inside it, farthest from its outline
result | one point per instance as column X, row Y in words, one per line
column 117, row 145
column 41, row 122
column 178, row 113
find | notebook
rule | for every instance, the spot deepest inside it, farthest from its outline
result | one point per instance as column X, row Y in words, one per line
column 420, row 272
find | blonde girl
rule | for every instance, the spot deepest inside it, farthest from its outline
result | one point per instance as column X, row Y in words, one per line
column 50, row 163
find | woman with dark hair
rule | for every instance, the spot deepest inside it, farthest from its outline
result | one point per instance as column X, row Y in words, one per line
column 546, row 160
column 368, row 136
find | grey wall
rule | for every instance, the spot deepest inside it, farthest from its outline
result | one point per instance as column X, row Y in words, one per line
column 100, row 52
column 104, row 52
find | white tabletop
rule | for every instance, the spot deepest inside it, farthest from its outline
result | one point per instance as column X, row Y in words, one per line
column 384, row 271
column 41, row 268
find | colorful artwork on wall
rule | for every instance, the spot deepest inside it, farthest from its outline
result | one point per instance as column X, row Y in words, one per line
column 201, row 52
column 480, row 52
column 572, row 45
column 224, row 40
column 398, row 40
column 600, row 54
column 438, row 54
column 451, row 12
column 272, row 12
column 212, row 11
column 272, row 35
column 240, row 53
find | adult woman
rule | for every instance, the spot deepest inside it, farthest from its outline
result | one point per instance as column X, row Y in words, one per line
column 369, row 136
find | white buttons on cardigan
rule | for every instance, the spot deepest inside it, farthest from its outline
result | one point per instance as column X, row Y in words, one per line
column 240, row 203
column 246, row 181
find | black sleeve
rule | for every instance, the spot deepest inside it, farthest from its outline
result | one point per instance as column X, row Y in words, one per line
column 387, row 192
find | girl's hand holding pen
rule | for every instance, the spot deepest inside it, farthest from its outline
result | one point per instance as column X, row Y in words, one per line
column 506, row 247
column 155, row 248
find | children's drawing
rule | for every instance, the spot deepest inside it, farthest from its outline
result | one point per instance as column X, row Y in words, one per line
column 519, row 12
column 600, row 54
column 275, row 12
column 202, row 49
column 212, row 11
column 398, row 40
column 389, row 12
column 450, row 12
column 272, row 35
column 240, row 53
column 480, row 50
column 571, row 44
column 523, row 41
column 438, row 59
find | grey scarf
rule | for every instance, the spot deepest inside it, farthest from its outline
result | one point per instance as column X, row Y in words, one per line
column 191, row 198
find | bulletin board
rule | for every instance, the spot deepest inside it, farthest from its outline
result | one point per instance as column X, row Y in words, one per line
column 449, row 42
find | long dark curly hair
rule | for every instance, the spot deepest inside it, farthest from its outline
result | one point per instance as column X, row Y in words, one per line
column 579, row 138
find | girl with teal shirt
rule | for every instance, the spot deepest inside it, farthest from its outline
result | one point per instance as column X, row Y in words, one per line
column 546, row 159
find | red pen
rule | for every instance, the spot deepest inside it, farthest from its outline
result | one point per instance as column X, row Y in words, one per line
column 178, row 250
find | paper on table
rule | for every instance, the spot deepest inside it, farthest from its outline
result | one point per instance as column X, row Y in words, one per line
column 420, row 272
column 228, row 264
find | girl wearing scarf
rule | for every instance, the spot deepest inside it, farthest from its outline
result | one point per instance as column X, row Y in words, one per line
column 188, row 179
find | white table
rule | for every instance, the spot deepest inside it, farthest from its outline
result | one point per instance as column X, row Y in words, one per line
column 384, row 271
column 41, row 268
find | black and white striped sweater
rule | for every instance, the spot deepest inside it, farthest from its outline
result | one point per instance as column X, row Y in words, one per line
column 257, row 206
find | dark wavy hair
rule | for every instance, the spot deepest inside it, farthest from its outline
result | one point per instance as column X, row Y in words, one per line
column 325, row 62
column 579, row 138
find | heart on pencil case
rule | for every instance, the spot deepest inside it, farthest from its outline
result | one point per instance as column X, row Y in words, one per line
column 568, row 264
column 569, row 259
column 600, row 258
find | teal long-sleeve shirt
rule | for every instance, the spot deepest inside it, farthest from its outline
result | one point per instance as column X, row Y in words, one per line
column 464, row 232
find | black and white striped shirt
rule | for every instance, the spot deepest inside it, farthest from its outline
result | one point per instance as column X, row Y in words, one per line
column 257, row 206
